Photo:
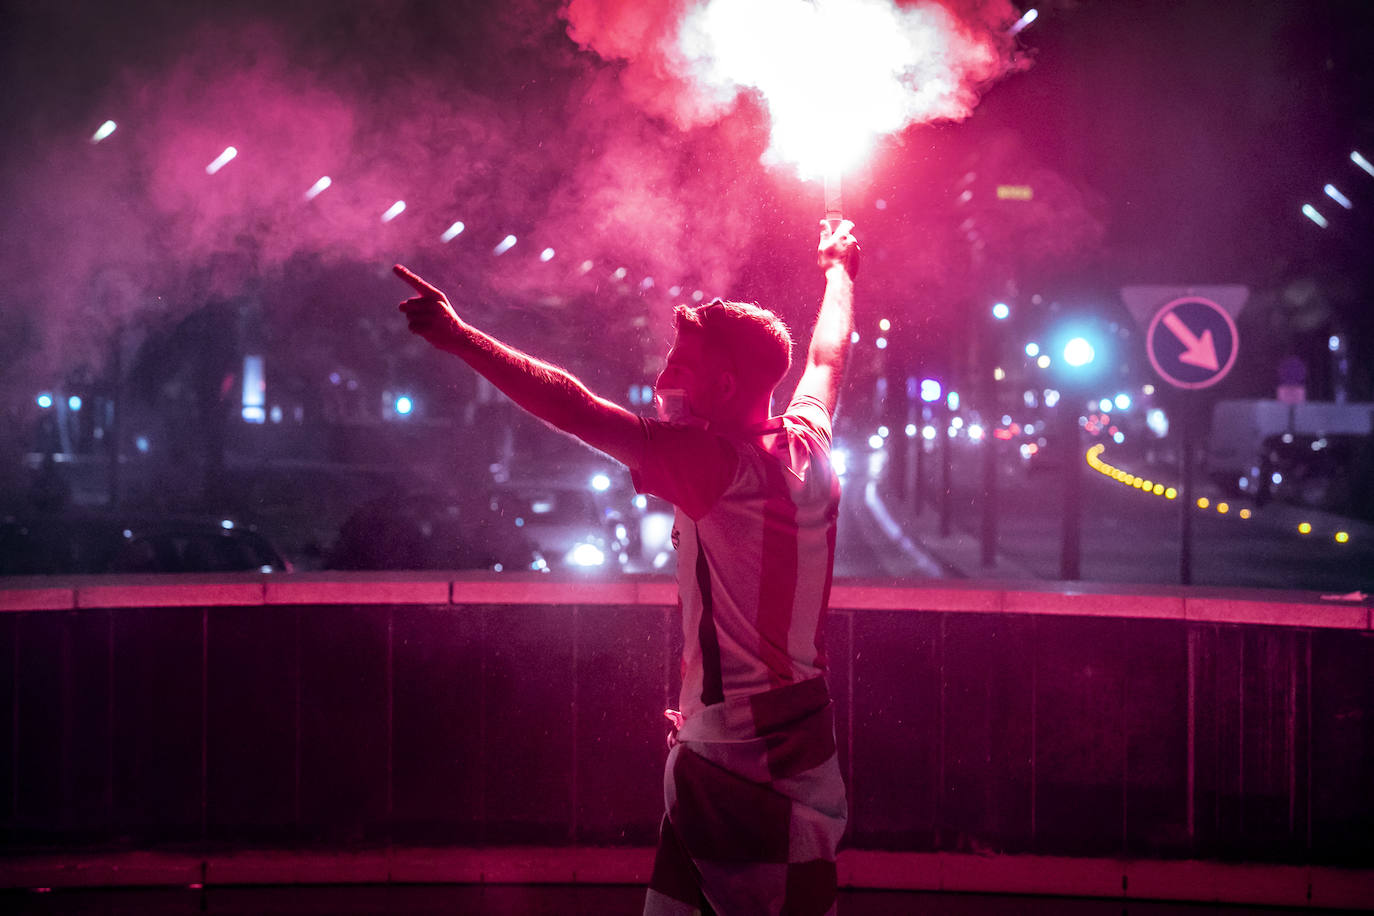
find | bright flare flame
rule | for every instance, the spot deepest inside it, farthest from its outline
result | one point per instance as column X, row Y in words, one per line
column 221, row 160
column 837, row 74
column 103, row 131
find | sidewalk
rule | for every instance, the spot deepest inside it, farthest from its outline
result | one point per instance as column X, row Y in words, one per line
column 956, row 555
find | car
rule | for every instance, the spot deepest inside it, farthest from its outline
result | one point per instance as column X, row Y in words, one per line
column 98, row 543
column 427, row 530
column 1303, row 469
column 571, row 525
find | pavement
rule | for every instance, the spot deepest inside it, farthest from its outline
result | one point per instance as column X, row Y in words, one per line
column 951, row 554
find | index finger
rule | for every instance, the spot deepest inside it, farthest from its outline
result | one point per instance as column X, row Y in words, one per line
column 419, row 285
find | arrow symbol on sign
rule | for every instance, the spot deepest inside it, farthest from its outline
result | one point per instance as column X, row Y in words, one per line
column 1197, row 351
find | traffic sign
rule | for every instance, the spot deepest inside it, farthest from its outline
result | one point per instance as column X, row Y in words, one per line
column 1192, row 342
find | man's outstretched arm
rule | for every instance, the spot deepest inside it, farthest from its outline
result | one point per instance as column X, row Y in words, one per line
column 838, row 257
column 550, row 393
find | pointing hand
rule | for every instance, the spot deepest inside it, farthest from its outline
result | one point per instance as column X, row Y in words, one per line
column 429, row 313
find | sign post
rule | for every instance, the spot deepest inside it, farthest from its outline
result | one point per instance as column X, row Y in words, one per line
column 1192, row 343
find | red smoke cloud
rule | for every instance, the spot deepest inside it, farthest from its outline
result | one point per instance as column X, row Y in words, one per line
column 495, row 120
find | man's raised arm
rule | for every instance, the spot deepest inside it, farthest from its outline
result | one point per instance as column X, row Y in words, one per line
column 550, row 393
column 838, row 257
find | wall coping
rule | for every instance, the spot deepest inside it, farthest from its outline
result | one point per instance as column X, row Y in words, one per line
column 1239, row 606
column 1126, row 879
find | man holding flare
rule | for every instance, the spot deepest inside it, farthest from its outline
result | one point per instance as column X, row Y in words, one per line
column 755, row 802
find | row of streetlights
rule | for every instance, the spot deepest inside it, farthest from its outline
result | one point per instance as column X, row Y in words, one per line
column 1335, row 194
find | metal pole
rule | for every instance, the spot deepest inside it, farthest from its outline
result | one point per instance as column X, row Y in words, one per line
column 894, row 410
column 946, row 471
column 1185, row 508
column 910, row 488
column 989, row 551
column 920, row 468
column 989, row 528
column 1070, row 547
column 115, row 414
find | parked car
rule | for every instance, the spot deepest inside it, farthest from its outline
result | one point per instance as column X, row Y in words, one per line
column 425, row 530
column 1303, row 469
column 98, row 543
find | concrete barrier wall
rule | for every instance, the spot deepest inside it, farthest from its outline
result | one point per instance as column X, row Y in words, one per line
column 348, row 712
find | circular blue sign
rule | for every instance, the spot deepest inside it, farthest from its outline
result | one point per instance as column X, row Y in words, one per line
column 1192, row 342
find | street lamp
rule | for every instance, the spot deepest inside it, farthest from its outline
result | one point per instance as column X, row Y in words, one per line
column 1079, row 352
column 1078, row 365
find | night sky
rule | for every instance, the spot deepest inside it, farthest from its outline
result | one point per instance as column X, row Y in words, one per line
column 1166, row 141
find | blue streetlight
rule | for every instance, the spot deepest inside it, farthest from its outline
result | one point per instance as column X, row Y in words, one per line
column 1000, row 311
column 1078, row 352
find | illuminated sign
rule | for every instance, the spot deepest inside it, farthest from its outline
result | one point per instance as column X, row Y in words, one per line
column 1192, row 342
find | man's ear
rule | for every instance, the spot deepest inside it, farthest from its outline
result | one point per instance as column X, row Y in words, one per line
column 727, row 385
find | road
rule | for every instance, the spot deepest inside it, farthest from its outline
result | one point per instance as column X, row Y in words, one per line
column 1129, row 536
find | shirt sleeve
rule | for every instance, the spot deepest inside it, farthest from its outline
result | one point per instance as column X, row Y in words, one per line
column 811, row 413
column 689, row 467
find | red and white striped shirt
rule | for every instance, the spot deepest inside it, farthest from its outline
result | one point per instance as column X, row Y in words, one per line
column 755, row 538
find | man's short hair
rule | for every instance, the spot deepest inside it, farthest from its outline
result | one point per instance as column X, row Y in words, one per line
column 755, row 342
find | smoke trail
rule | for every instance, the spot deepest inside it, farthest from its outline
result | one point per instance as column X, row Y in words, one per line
column 466, row 111
column 99, row 234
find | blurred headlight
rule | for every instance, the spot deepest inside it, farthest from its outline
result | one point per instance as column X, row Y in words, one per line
column 587, row 555
column 839, row 461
